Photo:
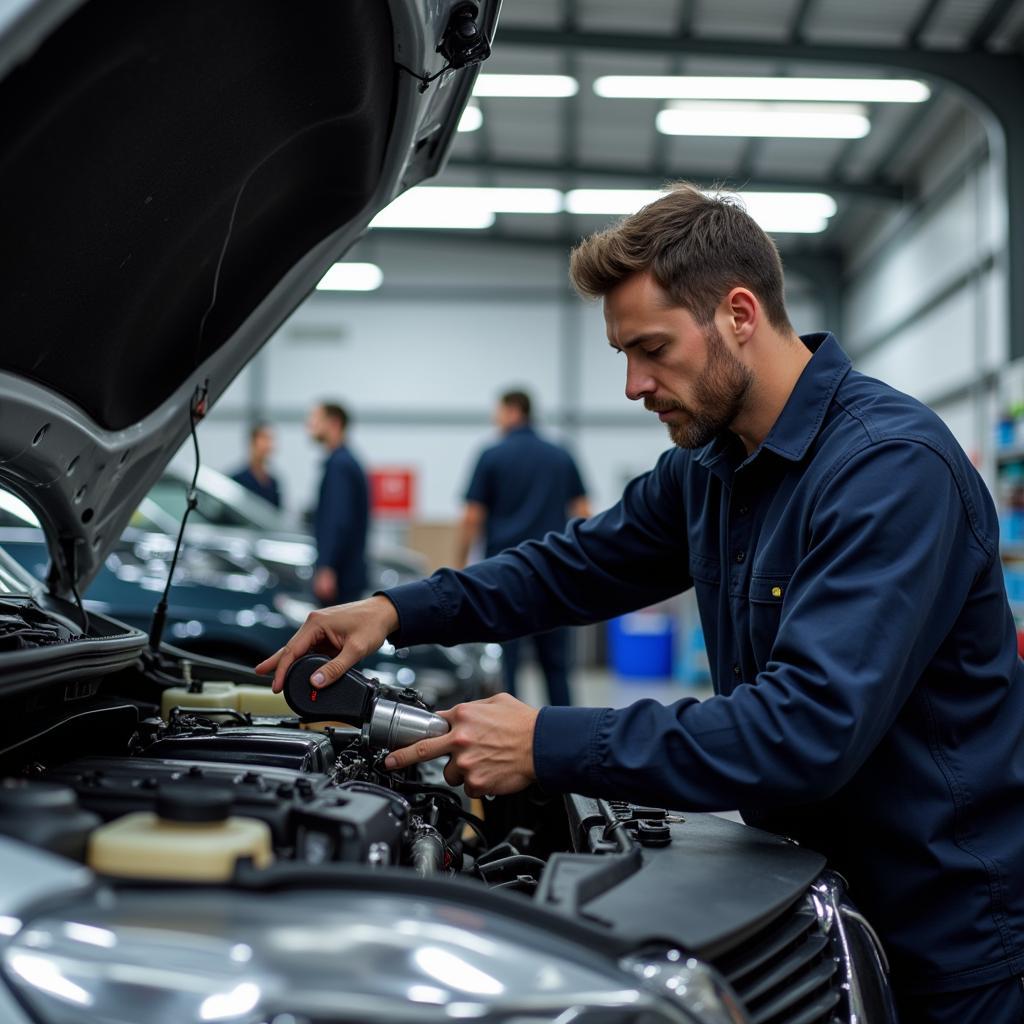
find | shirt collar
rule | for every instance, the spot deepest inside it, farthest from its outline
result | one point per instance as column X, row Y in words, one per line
column 804, row 412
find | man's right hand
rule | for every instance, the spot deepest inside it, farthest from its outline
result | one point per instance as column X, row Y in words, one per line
column 347, row 631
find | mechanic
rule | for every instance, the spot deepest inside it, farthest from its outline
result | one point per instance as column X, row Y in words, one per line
column 523, row 488
column 342, row 515
column 255, row 476
column 844, row 551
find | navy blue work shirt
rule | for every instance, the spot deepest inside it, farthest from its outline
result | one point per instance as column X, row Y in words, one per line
column 268, row 491
column 526, row 484
column 341, row 523
column 869, row 697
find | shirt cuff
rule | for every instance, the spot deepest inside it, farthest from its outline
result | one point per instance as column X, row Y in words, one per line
column 566, row 755
column 418, row 613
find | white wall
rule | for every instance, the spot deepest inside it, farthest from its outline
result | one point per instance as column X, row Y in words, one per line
column 420, row 362
column 925, row 305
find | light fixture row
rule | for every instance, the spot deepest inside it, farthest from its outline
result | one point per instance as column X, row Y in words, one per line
column 475, row 208
column 707, row 87
column 737, row 107
column 468, row 208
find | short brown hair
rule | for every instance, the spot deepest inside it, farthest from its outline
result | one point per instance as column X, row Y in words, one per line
column 697, row 246
column 518, row 400
column 336, row 412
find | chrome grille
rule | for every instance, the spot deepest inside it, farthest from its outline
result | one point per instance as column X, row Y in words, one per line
column 787, row 972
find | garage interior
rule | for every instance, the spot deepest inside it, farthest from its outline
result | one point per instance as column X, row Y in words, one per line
column 260, row 756
column 910, row 268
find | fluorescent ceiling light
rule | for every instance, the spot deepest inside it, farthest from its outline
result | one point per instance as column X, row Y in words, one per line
column 464, row 207
column 526, row 86
column 609, row 200
column 471, row 119
column 776, row 212
column 843, row 90
column 422, row 217
column 764, row 120
column 351, row 277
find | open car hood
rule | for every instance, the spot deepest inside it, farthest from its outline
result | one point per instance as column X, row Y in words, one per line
column 175, row 178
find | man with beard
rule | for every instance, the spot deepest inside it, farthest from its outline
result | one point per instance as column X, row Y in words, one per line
column 845, row 555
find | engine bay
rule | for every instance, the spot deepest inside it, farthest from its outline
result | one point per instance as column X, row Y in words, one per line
column 322, row 795
column 179, row 778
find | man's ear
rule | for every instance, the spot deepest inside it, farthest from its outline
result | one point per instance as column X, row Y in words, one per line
column 742, row 313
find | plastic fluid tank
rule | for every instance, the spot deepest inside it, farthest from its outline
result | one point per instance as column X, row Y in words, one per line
column 190, row 838
column 261, row 700
column 255, row 700
column 209, row 695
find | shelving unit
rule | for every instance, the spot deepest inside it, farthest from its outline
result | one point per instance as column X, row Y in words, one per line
column 1009, row 490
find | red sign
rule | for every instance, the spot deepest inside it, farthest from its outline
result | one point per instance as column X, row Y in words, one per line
column 391, row 492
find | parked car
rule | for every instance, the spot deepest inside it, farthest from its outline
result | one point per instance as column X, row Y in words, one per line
column 221, row 604
column 229, row 517
column 193, row 168
column 227, row 604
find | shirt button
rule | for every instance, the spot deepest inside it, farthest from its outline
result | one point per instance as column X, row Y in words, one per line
column 741, row 556
column 743, row 510
column 736, row 670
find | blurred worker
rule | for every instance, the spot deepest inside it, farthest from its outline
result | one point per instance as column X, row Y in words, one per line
column 256, row 476
column 342, row 512
column 522, row 488
column 845, row 556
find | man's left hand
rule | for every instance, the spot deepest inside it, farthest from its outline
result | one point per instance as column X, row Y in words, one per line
column 490, row 743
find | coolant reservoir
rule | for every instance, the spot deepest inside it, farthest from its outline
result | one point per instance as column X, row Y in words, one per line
column 261, row 700
column 190, row 838
column 208, row 695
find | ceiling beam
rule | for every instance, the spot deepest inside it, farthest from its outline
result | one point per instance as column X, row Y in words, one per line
column 996, row 80
column 921, row 22
column 799, row 26
column 990, row 21
column 959, row 66
column 652, row 179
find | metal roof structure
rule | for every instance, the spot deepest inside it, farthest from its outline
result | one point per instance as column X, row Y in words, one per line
column 590, row 141
column 970, row 52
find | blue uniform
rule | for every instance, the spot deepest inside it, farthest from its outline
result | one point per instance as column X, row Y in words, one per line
column 526, row 484
column 341, row 523
column 268, row 491
column 870, row 700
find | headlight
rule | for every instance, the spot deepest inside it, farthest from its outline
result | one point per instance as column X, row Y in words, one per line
column 294, row 609
column 176, row 957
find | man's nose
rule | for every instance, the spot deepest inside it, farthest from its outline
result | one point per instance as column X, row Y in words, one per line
column 638, row 384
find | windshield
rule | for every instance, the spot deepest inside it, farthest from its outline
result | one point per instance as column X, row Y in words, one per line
column 14, row 512
column 171, row 495
column 13, row 578
column 222, row 502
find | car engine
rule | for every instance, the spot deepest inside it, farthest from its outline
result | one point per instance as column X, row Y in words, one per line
column 193, row 793
column 322, row 794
